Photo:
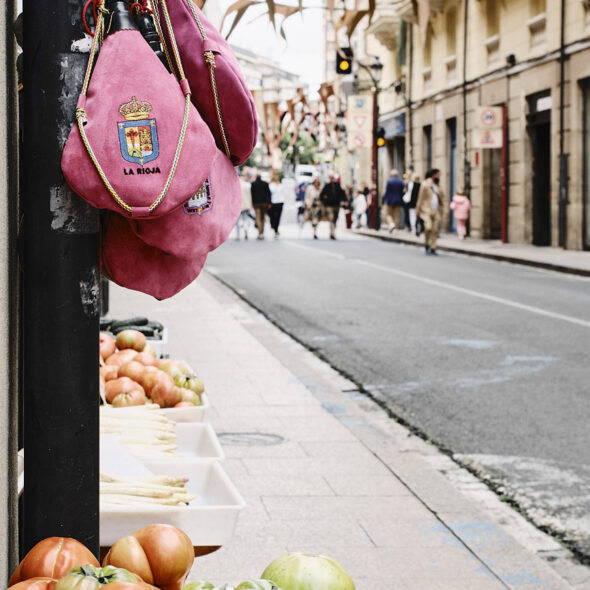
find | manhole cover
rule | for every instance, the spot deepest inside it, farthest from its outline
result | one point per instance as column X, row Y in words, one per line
column 251, row 439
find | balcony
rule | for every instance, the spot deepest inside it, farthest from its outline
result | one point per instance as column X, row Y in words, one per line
column 405, row 9
column 385, row 27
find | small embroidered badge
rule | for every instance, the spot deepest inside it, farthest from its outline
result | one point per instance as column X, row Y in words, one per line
column 138, row 135
column 201, row 201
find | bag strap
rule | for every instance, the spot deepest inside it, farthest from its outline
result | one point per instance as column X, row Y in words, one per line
column 82, row 116
column 209, row 57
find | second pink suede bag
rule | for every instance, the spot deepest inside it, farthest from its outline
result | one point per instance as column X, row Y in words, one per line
column 204, row 221
column 219, row 89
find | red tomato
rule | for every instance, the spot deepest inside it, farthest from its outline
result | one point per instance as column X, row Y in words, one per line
column 121, row 385
column 53, row 558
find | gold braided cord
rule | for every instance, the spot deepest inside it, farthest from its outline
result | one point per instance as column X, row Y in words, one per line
column 211, row 64
column 161, row 33
column 81, row 118
column 197, row 19
column 187, row 105
column 172, row 39
column 97, row 35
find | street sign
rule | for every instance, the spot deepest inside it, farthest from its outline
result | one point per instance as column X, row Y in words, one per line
column 488, row 118
column 360, row 121
column 487, row 138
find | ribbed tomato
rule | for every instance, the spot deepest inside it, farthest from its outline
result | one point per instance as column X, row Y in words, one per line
column 87, row 577
column 38, row 583
column 160, row 554
column 53, row 558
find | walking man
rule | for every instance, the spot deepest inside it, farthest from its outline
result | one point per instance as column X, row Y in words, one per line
column 430, row 209
column 393, row 199
column 261, row 203
column 332, row 196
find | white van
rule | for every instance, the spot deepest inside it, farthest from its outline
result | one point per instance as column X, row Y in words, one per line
column 305, row 173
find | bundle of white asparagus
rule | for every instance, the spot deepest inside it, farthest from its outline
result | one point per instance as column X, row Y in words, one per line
column 144, row 431
column 159, row 489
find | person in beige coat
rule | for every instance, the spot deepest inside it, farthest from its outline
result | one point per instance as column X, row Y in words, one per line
column 429, row 209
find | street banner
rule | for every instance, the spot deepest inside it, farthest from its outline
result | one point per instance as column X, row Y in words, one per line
column 359, row 119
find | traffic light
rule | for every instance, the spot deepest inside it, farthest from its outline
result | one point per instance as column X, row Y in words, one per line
column 380, row 137
column 344, row 60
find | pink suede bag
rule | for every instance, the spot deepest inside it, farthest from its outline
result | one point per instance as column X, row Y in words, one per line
column 131, row 263
column 226, row 103
column 203, row 222
column 139, row 147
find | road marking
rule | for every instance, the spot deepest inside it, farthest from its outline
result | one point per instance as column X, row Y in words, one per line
column 464, row 291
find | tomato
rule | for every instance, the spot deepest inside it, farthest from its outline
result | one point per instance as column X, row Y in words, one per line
column 106, row 345
column 160, row 554
column 133, row 369
column 121, row 385
column 120, row 357
column 87, row 577
column 131, row 339
column 52, row 557
column 38, row 583
column 145, row 358
column 109, row 372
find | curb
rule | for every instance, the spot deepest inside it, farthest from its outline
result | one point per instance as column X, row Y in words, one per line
column 489, row 255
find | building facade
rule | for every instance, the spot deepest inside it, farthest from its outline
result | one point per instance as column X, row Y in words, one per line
column 497, row 96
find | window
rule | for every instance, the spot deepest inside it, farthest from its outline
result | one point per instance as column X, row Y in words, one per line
column 451, row 28
column 492, row 17
column 427, row 146
column 537, row 7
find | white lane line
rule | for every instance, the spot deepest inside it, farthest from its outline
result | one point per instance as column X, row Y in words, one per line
column 443, row 285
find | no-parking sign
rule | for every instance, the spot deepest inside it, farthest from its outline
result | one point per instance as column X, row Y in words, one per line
column 487, row 130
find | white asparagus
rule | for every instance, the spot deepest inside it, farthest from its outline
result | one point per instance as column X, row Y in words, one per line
column 146, row 491
column 130, row 500
column 166, row 480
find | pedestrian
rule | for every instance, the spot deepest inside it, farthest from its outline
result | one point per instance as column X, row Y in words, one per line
column 313, row 205
column 245, row 218
column 429, row 209
column 359, row 206
column 260, row 192
column 393, row 199
column 461, row 205
column 300, row 198
column 410, row 200
column 277, row 199
column 332, row 197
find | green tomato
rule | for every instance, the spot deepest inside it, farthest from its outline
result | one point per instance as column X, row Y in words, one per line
column 303, row 571
column 88, row 577
column 198, row 586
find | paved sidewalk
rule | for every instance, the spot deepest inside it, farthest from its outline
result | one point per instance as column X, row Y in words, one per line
column 324, row 470
column 569, row 261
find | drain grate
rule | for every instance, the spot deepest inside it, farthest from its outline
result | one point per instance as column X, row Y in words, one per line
column 250, row 439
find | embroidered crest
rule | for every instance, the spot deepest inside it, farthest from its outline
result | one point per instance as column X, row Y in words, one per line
column 138, row 135
column 201, row 201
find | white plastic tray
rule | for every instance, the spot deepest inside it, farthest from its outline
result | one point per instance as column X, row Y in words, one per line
column 209, row 520
column 196, row 441
column 194, row 414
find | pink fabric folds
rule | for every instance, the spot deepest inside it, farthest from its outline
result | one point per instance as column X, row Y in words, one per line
column 135, row 111
column 203, row 222
column 131, row 263
column 238, row 112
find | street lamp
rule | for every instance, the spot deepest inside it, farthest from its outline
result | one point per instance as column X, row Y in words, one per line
column 375, row 70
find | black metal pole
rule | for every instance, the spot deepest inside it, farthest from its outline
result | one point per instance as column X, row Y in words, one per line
column 563, row 157
column 61, row 292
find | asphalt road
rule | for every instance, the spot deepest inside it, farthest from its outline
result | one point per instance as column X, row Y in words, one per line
column 489, row 360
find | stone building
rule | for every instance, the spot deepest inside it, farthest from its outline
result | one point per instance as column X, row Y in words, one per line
column 529, row 58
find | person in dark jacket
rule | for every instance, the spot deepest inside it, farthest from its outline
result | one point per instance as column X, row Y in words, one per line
column 332, row 197
column 261, row 203
column 393, row 199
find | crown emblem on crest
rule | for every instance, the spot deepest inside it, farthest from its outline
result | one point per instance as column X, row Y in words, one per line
column 135, row 110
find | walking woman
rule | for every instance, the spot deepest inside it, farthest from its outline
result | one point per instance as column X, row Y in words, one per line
column 277, row 200
column 313, row 205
